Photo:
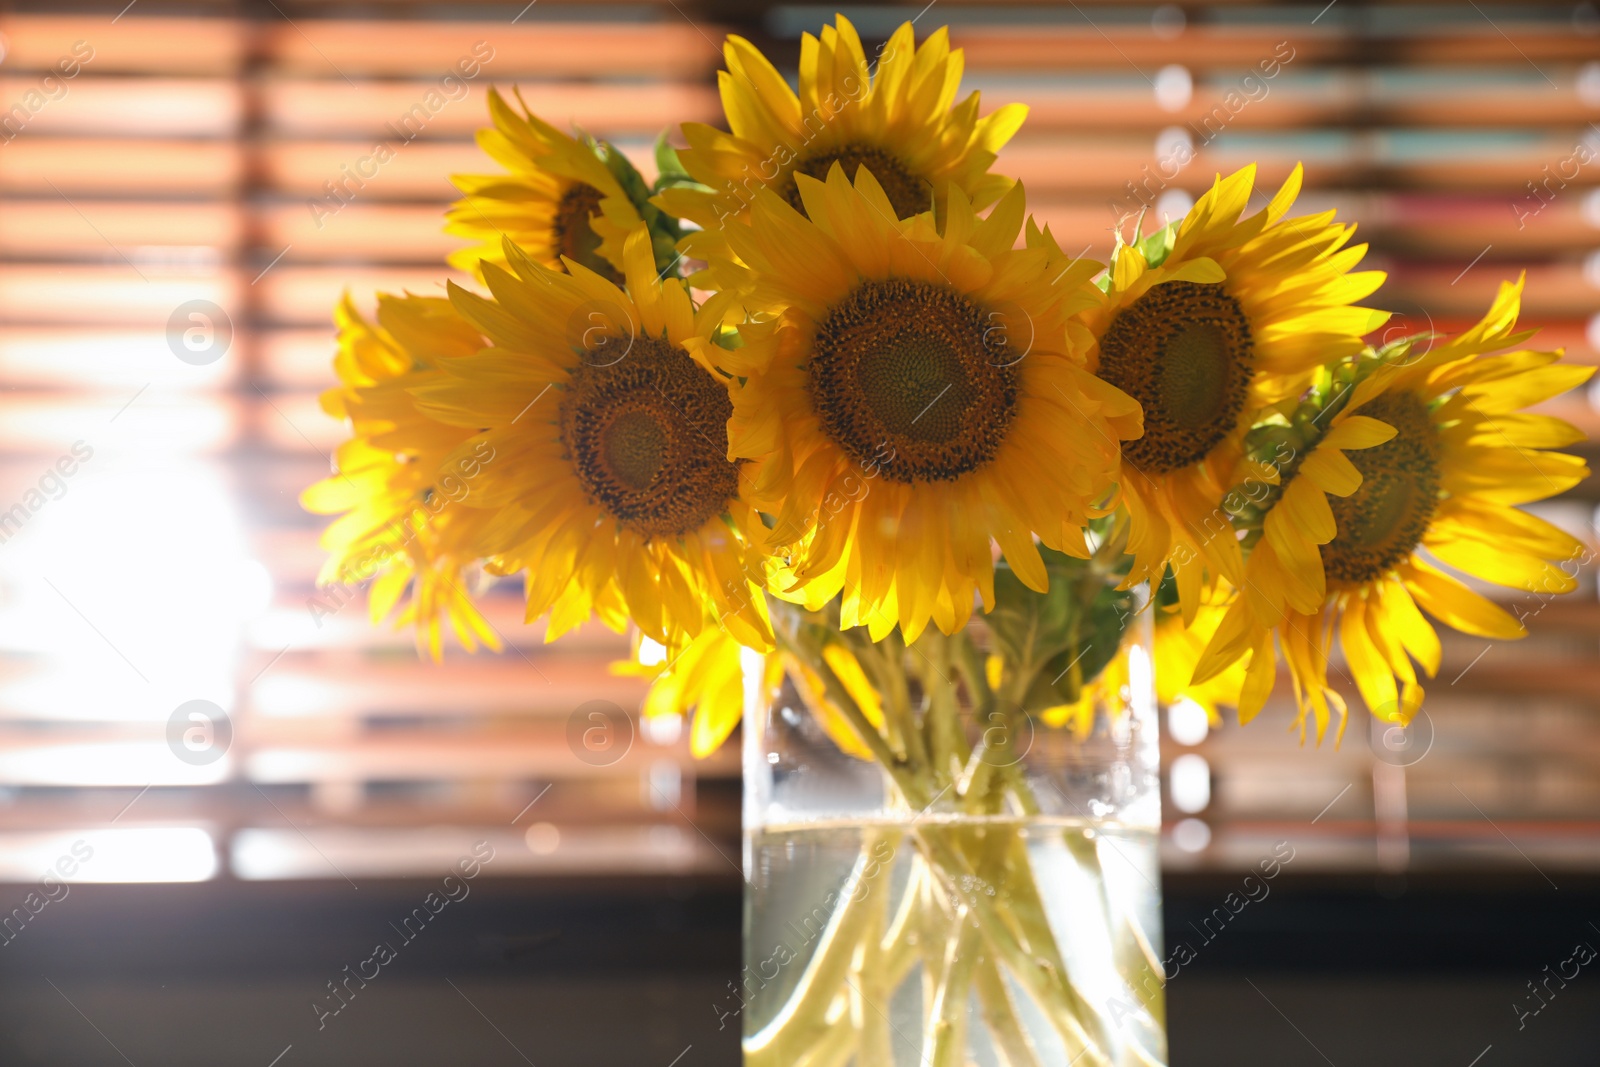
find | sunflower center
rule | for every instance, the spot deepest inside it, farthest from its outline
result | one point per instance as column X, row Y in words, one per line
column 1183, row 350
column 1384, row 520
column 910, row 378
column 636, row 447
column 908, row 193
column 573, row 235
column 648, row 438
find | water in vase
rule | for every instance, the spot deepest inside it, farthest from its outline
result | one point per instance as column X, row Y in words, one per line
column 952, row 940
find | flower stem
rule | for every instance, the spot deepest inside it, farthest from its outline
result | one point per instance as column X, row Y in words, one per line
column 867, row 969
column 1000, row 1016
column 970, row 908
column 945, row 1035
column 802, row 1020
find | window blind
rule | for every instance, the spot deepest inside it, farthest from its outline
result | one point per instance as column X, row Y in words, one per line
column 186, row 189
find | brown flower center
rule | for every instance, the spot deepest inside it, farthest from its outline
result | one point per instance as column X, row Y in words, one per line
column 909, row 194
column 1183, row 350
column 1383, row 521
column 647, row 435
column 573, row 235
column 912, row 378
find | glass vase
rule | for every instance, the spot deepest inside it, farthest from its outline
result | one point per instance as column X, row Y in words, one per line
column 976, row 884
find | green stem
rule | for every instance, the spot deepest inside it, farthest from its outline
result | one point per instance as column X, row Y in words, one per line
column 969, row 662
column 901, row 941
column 1012, row 924
column 888, row 673
column 945, row 1037
column 996, row 741
column 867, row 968
column 801, row 1023
column 791, row 638
column 942, row 720
column 892, row 656
column 835, row 1048
column 1000, row 1016
column 1044, row 979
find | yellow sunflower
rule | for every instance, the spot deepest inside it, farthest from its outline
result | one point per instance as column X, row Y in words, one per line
column 1460, row 455
column 913, row 398
column 894, row 114
column 1237, row 317
column 558, row 200
column 403, row 524
column 612, row 487
column 1285, row 578
column 1177, row 650
column 704, row 677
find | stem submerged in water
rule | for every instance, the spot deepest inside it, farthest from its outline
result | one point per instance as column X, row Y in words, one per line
column 968, row 908
column 805, row 1019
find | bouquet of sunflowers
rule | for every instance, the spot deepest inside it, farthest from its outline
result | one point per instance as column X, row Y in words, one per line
column 823, row 382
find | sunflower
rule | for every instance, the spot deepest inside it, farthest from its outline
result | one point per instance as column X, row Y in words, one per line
column 1177, row 650
column 1237, row 317
column 613, row 489
column 1445, row 482
column 559, row 199
column 913, row 398
column 1285, row 578
column 704, row 677
column 901, row 122
column 403, row 526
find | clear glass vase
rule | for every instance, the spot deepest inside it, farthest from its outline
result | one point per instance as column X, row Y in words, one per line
column 990, row 896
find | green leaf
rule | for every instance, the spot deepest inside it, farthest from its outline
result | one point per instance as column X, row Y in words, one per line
column 1158, row 246
column 664, row 229
column 667, row 162
column 625, row 172
column 1080, row 661
column 1062, row 638
column 664, row 243
column 670, row 169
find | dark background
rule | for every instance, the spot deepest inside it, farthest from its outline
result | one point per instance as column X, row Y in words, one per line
column 629, row 973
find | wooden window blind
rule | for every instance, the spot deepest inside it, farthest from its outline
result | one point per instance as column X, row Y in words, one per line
column 176, row 191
